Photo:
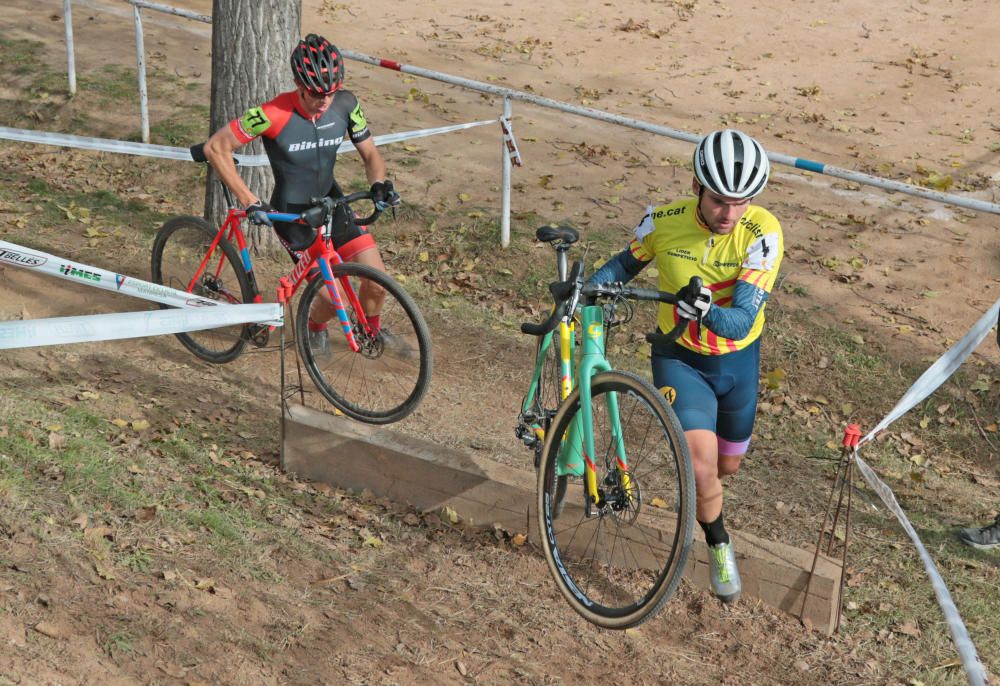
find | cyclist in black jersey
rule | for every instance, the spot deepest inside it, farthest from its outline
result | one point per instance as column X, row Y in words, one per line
column 302, row 130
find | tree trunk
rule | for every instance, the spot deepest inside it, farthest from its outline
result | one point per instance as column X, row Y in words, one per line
column 251, row 44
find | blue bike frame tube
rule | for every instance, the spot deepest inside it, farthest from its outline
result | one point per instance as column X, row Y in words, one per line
column 331, row 287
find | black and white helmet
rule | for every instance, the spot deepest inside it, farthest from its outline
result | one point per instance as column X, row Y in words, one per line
column 731, row 164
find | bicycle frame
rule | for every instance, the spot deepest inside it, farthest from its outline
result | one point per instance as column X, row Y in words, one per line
column 579, row 438
column 321, row 253
column 567, row 346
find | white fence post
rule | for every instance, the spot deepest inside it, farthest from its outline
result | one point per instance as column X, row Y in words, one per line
column 505, row 182
column 70, row 55
column 140, row 55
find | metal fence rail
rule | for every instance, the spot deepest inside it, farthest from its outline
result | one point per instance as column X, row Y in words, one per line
column 509, row 154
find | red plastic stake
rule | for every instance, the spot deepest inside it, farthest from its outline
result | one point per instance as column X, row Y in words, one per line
column 284, row 289
column 852, row 434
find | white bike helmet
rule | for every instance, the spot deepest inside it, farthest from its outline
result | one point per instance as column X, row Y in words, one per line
column 731, row 164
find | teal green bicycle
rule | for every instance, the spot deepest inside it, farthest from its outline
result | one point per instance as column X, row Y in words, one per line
column 616, row 493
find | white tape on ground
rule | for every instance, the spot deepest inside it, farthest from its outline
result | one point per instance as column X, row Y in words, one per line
column 974, row 670
column 71, row 270
column 109, row 327
column 65, row 140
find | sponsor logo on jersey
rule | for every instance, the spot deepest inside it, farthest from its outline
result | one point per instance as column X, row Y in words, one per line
column 312, row 145
column 21, row 259
column 672, row 212
column 254, row 122
column 752, row 227
column 682, row 254
column 762, row 253
column 358, row 121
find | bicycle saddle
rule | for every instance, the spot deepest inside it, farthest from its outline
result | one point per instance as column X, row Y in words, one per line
column 565, row 234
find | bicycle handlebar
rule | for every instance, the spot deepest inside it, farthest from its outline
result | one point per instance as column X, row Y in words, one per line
column 321, row 209
column 562, row 294
column 565, row 294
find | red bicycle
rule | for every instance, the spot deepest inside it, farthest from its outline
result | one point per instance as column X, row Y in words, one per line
column 373, row 375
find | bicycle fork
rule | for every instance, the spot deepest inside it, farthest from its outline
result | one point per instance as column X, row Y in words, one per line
column 580, row 436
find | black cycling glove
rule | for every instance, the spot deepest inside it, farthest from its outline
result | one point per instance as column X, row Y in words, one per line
column 257, row 213
column 384, row 195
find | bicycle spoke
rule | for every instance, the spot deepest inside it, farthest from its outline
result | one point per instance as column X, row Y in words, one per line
column 386, row 378
column 178, row 252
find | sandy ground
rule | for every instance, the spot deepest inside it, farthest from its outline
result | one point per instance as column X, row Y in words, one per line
column 902, row 90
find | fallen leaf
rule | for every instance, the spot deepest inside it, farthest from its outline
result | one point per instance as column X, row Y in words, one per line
column 518, row 539
column 449, row 514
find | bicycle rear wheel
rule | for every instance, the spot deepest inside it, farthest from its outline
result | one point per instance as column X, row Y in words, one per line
column 180, row 246
column 387, row 378
column 619, row 560
column 536, row 414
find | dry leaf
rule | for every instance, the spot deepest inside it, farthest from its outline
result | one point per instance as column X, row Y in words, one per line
column 449, row 514
column 518, row 539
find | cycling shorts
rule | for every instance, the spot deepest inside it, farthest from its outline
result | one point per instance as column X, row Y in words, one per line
column 713, row 392
column 349, row 239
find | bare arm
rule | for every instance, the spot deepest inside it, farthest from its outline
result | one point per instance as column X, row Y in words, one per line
column 219, row 150
column 374, row 164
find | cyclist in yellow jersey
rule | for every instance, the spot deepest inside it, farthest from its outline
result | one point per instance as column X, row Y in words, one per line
column 711, row 373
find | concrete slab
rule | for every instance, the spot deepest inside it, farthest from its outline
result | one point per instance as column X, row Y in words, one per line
column 355, row 456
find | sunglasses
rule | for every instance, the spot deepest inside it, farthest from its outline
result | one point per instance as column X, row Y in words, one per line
column 318, row 96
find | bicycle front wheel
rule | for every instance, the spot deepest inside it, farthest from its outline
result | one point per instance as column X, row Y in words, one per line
column 387, row 378
column 178, row 250
column 619, row 559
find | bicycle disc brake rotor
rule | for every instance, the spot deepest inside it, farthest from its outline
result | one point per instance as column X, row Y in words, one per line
column 371, row 346
column 625, row 496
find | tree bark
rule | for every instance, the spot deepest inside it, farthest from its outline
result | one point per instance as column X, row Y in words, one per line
column 251, row 44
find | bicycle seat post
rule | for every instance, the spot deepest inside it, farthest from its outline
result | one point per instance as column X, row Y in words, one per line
column 562, row 262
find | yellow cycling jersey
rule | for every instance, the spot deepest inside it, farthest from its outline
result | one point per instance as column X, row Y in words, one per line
column 684, row 247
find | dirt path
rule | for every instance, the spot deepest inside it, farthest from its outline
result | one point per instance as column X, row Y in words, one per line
column 901, row 91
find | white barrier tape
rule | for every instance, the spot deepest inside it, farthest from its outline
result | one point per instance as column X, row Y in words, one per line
column 110, row 327
column 928, row 382
column 974, row 670
column 66, row 140
column 71, row 270
column 938, row 372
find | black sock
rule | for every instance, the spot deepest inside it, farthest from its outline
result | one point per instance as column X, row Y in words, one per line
column 715, row 532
